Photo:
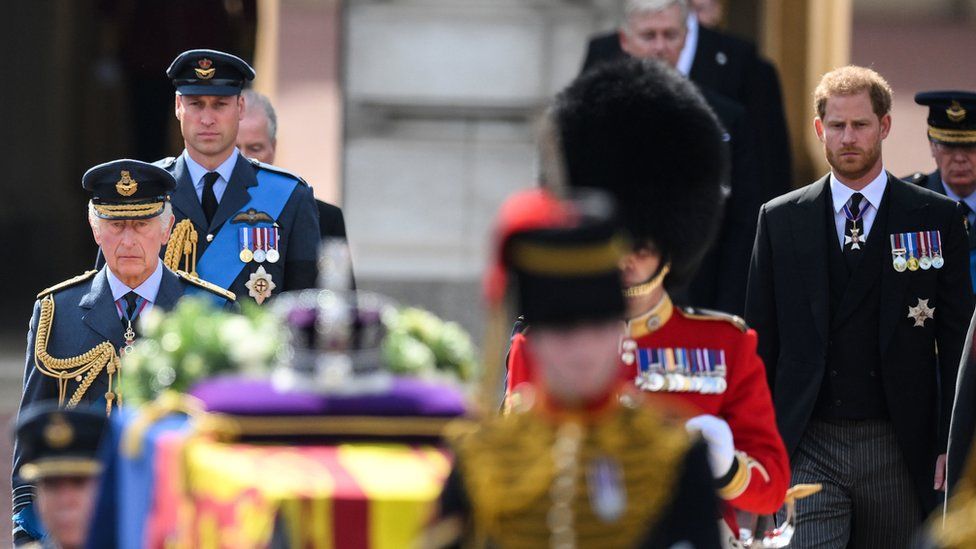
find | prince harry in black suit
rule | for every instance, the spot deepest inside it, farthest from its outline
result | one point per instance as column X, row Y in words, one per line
column 859, row 290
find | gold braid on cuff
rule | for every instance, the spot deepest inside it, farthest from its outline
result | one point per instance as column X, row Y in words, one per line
column 743, row 476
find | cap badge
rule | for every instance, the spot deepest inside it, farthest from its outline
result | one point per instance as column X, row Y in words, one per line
column 955, row 112
column 205, row 70
column 57, row 433
column 126, row 186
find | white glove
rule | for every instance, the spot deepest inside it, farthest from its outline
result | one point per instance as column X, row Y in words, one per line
column 718, row 435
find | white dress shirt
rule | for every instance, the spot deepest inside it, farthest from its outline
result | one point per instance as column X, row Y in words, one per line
column 872, row 201
column 148, row 290
column 687, row 56
column 225, row 169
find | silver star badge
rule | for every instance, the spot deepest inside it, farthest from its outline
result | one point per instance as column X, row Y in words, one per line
column 921, row 312
column 854, row 239
column 259, row 285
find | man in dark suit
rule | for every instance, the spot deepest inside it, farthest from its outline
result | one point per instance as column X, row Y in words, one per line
column 729, row 66
column 657, row 30
column 80, row 327
column 241, row 224
column 859, row 290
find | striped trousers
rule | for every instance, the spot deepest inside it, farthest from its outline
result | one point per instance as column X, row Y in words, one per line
column 868, row 497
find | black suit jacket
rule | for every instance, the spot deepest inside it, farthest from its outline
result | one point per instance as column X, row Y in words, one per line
column 331, row 222
column 788, row 305
column 333, row 225
column 731, row 67
column 720, row 282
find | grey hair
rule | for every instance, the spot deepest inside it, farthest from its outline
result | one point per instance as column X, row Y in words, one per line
column 252, row 97
column 633, row 7
column 165, row 218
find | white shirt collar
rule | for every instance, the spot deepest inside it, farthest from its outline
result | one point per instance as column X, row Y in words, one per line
column 225, row 169
column 872, row 192
column 969, row 200
column 687, row 57
column 147, row 290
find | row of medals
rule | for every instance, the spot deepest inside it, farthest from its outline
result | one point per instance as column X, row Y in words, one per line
column 260, row 255
column 263, row 252
column 659, row 379
column 912, row 263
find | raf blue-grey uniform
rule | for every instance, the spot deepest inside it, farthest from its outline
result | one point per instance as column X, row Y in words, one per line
column 298, row 224
column 85, row 313
column 298, row 221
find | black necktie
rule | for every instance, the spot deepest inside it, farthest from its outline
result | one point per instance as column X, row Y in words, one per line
column 209, row 199
column 967, row 216
column 130, row 305
column 854, row 231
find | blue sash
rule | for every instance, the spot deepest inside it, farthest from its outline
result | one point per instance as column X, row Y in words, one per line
column 220, row 264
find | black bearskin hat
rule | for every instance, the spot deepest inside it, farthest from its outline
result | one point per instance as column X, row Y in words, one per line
column 643, row 132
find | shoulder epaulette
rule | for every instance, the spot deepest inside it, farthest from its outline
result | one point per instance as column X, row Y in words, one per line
column 706, row 314
column 917, row 178
column 271, row 168
column 213, row 288
column 165, row 162
column 67, row 283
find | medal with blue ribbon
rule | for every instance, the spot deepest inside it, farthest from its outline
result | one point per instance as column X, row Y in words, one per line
column 273, row 254
column 855, row 239
column 246, row 254
column 912, row 245
column 130, row 334
column 935, row 237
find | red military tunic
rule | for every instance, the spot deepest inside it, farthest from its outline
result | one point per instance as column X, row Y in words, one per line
column 745, row 403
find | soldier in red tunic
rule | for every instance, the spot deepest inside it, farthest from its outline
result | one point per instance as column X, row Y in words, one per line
column 668, row 185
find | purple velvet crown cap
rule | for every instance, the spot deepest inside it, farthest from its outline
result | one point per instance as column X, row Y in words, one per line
column 238, row 395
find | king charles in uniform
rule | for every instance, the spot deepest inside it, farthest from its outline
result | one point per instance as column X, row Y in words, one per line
column 80, row 327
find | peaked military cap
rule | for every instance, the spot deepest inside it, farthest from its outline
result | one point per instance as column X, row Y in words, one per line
column 641, row 131
column 952, row 116
column 209, row 72
column 565, row 268
column 128, row 189
column 59, row 442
